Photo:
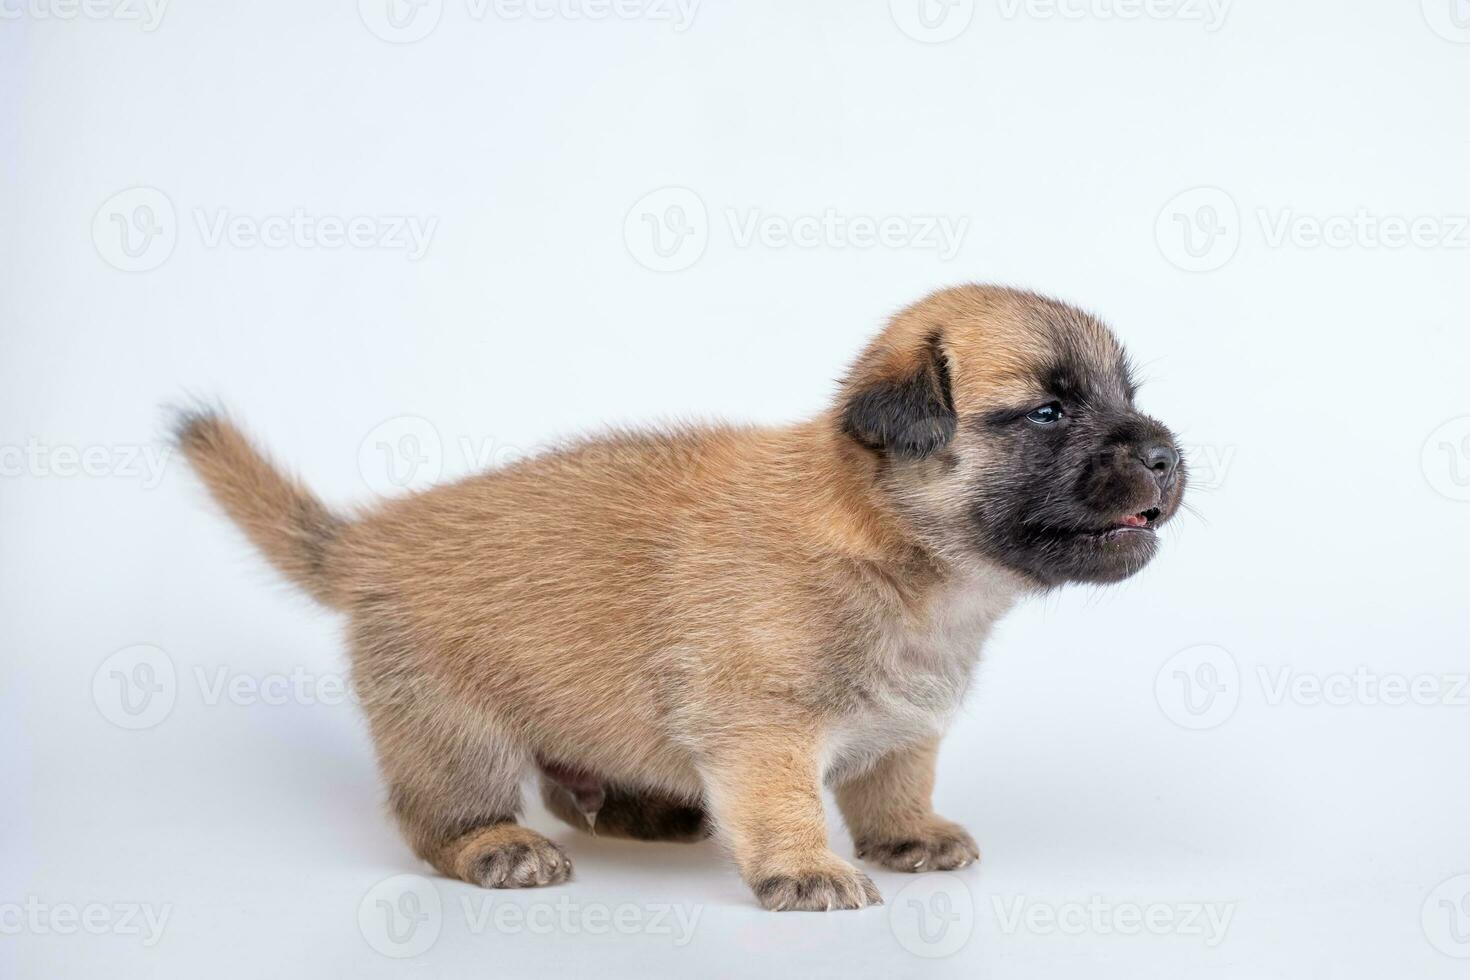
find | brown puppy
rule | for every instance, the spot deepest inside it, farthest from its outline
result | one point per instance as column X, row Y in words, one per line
column 695, row 628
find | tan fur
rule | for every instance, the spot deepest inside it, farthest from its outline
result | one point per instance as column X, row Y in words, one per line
column 725, row 616
column 281, row 518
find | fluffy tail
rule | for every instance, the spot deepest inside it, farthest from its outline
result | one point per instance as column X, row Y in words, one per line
column 280, row 516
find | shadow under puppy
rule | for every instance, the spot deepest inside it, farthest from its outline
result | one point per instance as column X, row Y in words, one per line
column 697, row 628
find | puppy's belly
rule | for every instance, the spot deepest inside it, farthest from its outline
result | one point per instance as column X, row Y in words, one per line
column 573, row 733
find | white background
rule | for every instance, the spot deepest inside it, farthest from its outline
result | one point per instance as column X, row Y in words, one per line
column 1321, row 388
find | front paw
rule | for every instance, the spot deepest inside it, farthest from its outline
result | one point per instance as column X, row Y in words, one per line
column 839, row 886
column 941, row 846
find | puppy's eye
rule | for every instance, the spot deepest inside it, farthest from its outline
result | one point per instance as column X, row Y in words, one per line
column 1046, row 414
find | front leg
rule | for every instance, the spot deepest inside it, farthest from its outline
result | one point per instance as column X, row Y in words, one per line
column 889, row 811
column 764, row 793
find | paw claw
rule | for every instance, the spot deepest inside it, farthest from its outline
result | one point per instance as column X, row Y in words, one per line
column 943, row 846
column 523, row 859
column 843, row 887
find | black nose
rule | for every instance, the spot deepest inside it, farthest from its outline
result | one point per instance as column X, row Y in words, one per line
column 1162, row 459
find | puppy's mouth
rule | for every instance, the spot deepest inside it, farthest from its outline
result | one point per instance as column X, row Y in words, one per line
column 1142, row 523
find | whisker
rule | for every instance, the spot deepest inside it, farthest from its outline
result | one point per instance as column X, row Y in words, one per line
column 1194, row 511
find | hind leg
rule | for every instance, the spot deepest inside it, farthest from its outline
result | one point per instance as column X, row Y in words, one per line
column 457, row 799
column 636, row 814
column 457, row 796
column 504, row 855
column 454, row 778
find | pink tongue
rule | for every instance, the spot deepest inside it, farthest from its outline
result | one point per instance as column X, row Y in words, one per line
column 1135, row 520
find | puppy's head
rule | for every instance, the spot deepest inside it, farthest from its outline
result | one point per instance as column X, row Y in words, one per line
column 1003, row 427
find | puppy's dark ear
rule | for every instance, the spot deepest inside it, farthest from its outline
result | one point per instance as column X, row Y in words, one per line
column 906, row 411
